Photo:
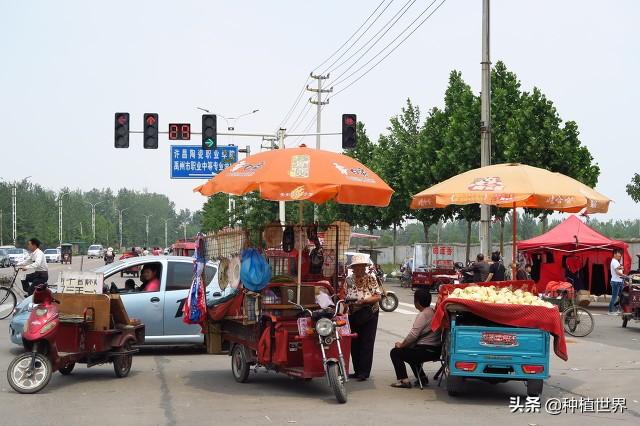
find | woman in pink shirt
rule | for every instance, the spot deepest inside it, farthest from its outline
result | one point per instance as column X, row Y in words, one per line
column 149, row 278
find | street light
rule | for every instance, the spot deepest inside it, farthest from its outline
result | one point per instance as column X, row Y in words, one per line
column 120, row 211
column 60, row 215
column 227, row 119
column 147, row 227
column 93, row 218
column 14, row 191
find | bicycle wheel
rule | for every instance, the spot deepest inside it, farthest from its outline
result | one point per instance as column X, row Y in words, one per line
column 577, row 321
column 7, row 302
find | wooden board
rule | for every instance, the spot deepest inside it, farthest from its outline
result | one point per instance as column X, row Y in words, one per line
column 75, row 304
column 118, row 312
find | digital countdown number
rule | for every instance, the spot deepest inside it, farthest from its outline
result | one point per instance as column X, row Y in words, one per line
column 179, row 131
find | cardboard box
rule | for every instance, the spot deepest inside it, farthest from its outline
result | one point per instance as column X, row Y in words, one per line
column 289, row 293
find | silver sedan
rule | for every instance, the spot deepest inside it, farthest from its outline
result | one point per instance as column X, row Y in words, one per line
column 160, row 311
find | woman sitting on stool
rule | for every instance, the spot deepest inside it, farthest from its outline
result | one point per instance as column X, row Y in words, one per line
column 421, row 344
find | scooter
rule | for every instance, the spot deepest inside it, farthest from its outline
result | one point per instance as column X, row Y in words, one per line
column 53, row 343
column 389, row 300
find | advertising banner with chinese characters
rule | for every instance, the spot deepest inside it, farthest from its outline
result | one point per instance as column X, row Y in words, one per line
column 80, row 282
column 442, row 256
column 193, row 162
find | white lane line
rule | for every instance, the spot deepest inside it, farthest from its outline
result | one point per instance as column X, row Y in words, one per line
column 404, row 311
column 408, row 305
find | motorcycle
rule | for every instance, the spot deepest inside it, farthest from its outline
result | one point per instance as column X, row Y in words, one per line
column 389, row 300
column 109, row 258
column 464, row 276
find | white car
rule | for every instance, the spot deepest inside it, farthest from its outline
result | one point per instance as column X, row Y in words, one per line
column 52, row 255
column 95, row 250
column 17, row 255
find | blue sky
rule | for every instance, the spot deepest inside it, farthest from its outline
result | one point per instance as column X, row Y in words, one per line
column 67, row 66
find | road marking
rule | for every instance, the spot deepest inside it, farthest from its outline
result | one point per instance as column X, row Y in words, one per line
column 404, row 311
column 408, row 305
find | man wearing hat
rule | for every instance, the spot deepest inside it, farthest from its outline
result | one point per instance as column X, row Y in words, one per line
column 363, row 289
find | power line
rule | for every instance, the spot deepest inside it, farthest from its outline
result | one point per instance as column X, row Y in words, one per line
column 355, row 32
column 302, row 90
column 300, row 118
column 359, row 37
column 389, row 53
column 402, row 10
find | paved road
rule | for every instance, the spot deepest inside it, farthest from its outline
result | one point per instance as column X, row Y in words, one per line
column 186, row 386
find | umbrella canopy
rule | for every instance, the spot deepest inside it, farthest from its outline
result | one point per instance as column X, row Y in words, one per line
column 513, row 185
column 302, row 174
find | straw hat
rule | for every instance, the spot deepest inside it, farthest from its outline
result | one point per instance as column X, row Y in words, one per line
column 223, row 279
column 359, row 259
column 272, row 235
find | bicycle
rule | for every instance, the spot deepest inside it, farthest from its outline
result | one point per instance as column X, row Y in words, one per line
column 576, row 320
column 9, row 297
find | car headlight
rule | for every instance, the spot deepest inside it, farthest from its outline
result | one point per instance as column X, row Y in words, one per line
column 324, row 327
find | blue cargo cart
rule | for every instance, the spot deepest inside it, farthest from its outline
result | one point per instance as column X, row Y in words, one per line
column 475, row 348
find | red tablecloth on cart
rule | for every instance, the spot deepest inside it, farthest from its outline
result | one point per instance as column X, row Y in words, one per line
column 541, row 317
column 232, row 307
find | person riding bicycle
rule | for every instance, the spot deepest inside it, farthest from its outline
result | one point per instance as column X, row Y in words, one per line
column 36, row 262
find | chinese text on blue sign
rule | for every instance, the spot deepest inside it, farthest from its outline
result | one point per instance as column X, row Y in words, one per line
column 193, row 162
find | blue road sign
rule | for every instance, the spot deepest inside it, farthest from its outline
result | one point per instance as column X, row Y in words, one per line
column 193, row 162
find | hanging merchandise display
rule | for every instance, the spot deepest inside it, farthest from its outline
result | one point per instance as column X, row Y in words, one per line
column 288, row 239
column 233, row 272
column 255, row 271
column 223, row 269
column 195, row 309
column 272, row 235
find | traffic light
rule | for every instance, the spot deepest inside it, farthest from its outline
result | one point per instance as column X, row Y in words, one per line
column 121, row 137
column 150, row 133
column 209, row 131
column 349, row 131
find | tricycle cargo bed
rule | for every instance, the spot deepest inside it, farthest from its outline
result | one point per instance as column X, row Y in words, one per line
column 501, row 352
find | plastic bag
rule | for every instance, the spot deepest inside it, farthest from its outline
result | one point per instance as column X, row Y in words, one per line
column 194, row 310
column 255, row 271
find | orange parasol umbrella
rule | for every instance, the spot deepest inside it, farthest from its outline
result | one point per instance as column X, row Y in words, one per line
column 512, row 186
column 302, row 174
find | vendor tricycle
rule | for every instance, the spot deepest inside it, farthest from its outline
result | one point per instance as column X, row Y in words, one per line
column 630, row 300
column 56, row 339
column 307, row 345
column 479, row 343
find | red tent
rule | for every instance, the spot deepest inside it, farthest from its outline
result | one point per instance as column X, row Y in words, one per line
column 573, row 251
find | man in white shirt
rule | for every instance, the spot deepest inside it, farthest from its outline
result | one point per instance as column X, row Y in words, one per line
column 37, row 264
column 617, row 274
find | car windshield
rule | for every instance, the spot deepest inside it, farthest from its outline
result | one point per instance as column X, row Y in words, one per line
column 51, row 251
column 95, row 247
column 3, row 252
column 15, row 251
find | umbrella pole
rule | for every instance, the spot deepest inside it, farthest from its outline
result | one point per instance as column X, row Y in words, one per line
column 300, row 250
column 513, row 242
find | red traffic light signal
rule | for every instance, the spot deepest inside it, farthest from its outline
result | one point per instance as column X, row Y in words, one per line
column 349, row 138
column 121, row 136
column 150, row 133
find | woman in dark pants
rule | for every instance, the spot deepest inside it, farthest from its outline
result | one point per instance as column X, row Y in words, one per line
column 421, row 344
column 363, row 318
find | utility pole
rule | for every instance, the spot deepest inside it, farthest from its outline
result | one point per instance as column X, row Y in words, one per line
column 319, row 104
column 120, row 224
column 1, row 230
column 281, row 207
column 13, row 212
column 184, row 227
column 93, row 218
column 147, row 228
column 485, row 126
column 166, row 243
column 60, row 216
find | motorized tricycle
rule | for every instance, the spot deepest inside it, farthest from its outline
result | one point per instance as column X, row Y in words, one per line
column 56, row 341
column 630, row 300
column 66, row 253
column 308, row 345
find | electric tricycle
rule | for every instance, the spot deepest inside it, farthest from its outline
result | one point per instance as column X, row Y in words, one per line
column 630, row 300
column 55, row 339
column 299, row 340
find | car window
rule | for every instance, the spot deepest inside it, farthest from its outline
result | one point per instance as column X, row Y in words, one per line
column 125, row 278
column 50, row 251
column 210, row 274
column 179, row 276
column 15, row 251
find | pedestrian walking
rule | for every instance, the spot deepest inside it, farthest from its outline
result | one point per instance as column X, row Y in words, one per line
column 617, row 275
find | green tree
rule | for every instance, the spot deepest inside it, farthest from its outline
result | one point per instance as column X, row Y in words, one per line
column 215, row 212
column 633, row 189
